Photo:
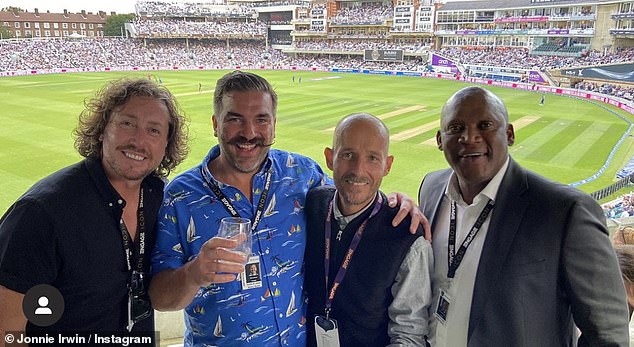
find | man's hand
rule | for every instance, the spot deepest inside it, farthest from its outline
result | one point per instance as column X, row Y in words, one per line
column 407, row 206
column 216, row 262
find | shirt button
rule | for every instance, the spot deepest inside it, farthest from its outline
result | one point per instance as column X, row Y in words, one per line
column 120, row 201
column 110, row 204
column 281, row 315
column 266, row 252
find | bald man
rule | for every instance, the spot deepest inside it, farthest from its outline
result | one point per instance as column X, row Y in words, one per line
column 519, row 259
column 367, row 282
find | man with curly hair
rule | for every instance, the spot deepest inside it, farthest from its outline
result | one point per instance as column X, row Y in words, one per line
column 87, row 230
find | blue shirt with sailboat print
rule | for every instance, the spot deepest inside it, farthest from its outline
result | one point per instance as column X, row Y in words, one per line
column 228, row 314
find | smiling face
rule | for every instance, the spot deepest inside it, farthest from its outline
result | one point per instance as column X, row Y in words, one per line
column 135, row 139
column 245, row 128
column 359, row 160
column 474, row 136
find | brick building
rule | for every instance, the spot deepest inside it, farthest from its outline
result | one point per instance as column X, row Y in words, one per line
column 55, row 25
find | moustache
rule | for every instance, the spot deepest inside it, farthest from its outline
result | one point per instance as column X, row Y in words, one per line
column 258, row 142
column 355, row 179
column 132, row 148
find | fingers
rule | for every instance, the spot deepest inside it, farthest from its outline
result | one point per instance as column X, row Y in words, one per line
column 217, row 263
column 408, row 207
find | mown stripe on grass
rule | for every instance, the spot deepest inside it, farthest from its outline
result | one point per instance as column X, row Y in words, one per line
column 555, row 137
column 575, row 150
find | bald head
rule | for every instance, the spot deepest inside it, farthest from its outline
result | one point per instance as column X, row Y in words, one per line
column 365, row 120
column 492, row 101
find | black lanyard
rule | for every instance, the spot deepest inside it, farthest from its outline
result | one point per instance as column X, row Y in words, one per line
column 229, row 206
column 456, row 258
column 127, row 242
column 353, row 246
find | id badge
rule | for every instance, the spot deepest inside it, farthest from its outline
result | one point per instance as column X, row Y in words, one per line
column 252, row 275
column 441, row 309
column 326, row 332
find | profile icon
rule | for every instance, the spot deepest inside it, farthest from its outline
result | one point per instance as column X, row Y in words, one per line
column 43, row 308
column 43, row 305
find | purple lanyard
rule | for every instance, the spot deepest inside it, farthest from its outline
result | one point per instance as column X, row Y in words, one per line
column 353, row 246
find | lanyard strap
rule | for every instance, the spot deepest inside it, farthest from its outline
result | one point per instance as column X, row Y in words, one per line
column 456, row 258
column 353, row 246
column 229, row 206
column 128, row 247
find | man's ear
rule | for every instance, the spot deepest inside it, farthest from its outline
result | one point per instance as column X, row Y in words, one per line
column 439, row 140
column 214, row 123
column 328, row 152
column 388, row 164
column 510, row 134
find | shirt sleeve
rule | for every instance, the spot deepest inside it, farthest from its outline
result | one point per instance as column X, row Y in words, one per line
column 409, row 311
column 27, row 247
column 168, row 251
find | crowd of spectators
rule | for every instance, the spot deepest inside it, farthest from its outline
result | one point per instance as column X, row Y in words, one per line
column 521, row 58
column 619, row 208
column 128, row 52
column 606, row 88
column 353, row 45
column 180, row 28
column 367, row 14
column 174, row 9
column 118, row 52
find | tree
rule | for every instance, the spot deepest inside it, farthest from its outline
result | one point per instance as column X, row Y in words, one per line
column 12, row 9
column 114, row 23
column 5, row 33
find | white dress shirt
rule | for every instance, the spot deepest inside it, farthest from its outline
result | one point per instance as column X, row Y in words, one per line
column 453, row 333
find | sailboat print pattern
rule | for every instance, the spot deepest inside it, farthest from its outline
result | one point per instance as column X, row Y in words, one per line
column 226, row 314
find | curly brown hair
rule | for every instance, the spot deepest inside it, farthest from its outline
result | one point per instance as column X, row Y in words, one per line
column 98, row 111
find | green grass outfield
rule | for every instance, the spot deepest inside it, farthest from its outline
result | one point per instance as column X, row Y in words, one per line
column 567, row 139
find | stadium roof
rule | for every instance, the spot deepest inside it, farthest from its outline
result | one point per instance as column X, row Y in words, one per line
column 511, row 4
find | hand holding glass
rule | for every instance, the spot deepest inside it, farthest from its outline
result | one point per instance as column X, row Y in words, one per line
column 239, row 229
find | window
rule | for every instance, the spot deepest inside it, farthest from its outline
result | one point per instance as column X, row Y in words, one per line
column 18, row 33
column 38, row 33
column 74, row 25
column 36, row 25
column 47, row 25
column 91, row 26
column 65, row 32
column 6, row 24
column 56, row 33
column 65, row 25
column 55, row 25
column 47, row 33
column 17, row 24
column 27, row 24
column 82, row 25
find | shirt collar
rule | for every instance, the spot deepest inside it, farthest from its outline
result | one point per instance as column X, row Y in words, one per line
column 489, row 192
column 344, row 220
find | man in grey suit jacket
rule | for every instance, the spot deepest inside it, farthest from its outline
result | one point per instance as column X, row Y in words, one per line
column 520, row 260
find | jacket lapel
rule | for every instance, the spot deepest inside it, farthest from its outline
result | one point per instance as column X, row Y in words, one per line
column 510, row 205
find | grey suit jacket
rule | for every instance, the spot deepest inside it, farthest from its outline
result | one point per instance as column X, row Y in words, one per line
column 546, row 260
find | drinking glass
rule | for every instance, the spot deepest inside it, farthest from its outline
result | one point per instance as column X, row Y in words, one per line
column 236, row 228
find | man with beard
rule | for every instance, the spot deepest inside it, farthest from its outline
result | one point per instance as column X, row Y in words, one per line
column 87, row 229
column 241, row 176
column 367, row 282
